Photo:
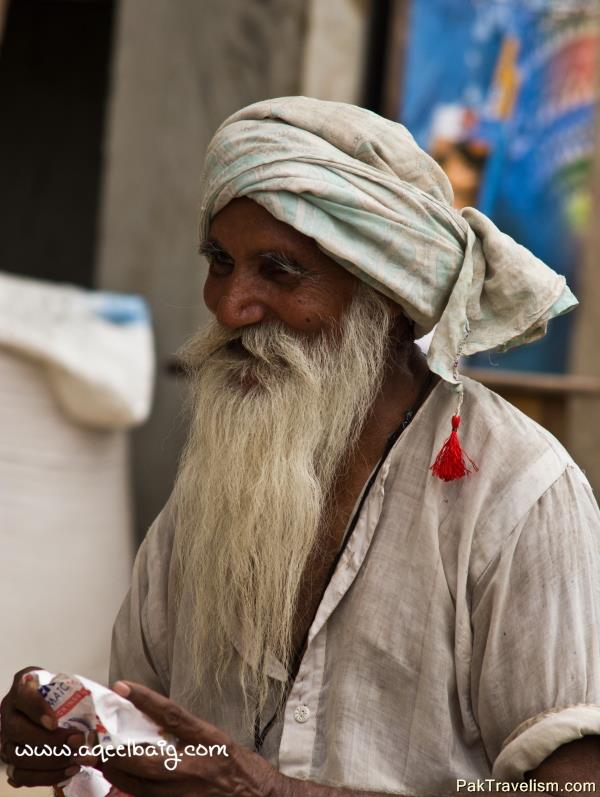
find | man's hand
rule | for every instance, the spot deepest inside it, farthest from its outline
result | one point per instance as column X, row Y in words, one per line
column 231, row 770
column 27, row 719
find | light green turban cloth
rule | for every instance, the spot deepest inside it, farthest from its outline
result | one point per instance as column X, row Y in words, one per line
column 378, row 205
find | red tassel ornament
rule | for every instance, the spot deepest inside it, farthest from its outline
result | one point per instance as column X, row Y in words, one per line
column 452, row 463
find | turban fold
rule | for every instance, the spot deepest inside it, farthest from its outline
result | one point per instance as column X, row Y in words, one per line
column 378, row 205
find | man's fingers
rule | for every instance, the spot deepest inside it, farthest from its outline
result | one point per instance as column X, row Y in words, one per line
column 7, row 705
column 169, row 715
column 19, row 756
column 123, row 782
column 114, row 792
column 165, row 712
column 19, row 729
column 31, row 777
column 150, row 767
column 28, row 700
column 138, row 787
column 18, row 676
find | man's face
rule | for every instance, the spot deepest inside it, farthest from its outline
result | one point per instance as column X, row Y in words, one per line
column 272, row 428
column 282, row 381
column 261, row 269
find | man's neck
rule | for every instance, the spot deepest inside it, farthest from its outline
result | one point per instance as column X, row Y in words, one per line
column 402, row 390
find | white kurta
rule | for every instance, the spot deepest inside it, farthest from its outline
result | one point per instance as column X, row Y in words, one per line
column 458, row 636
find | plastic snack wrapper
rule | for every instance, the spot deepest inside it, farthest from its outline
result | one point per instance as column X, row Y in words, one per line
column 106, row 719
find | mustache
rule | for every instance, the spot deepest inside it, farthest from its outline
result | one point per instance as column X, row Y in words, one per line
column 269, row 345
column 236, row 346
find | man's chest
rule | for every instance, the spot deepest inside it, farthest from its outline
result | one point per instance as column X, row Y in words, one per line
column 322, row 563
column 376, row 692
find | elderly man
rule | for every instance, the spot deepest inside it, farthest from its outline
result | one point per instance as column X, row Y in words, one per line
column 336, row 590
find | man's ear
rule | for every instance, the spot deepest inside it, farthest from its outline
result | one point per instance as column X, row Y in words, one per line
column 395, row 309
column 403, row 326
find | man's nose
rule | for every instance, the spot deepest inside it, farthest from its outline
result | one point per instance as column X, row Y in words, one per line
column 240, row 302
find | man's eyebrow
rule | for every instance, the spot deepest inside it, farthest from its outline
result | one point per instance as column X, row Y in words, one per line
column 283, row 260
column 211, row 248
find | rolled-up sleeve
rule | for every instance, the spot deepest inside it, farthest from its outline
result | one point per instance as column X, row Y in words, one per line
column 536, row 620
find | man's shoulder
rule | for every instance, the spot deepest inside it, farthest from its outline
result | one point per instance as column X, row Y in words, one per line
column 505, row 437
column 512, row 454
column 157, row 544
column 505, row 442
column 518, row 462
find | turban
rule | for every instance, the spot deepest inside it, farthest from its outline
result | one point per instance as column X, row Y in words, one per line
column 379, row 206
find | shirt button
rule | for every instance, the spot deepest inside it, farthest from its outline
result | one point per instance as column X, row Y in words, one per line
column 301, row 713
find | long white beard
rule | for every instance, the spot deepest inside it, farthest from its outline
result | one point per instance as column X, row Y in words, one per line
column 269, row 435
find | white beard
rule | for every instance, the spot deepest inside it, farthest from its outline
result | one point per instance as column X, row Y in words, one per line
column 269, row 435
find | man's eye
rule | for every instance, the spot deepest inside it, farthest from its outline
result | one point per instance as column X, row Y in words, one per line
column 219, row 267
column 283, row 271
column 279, row 270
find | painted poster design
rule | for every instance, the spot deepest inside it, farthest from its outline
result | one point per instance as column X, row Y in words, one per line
column 508, row 108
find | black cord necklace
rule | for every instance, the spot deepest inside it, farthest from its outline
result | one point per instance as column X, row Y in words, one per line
column 260, row 736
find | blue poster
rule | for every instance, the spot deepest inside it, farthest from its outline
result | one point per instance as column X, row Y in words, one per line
column 507, row 106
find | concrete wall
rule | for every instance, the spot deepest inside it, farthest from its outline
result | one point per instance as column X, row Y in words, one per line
column 179, row 69
column 335, row 51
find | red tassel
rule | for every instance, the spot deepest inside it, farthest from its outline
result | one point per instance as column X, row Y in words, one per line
column 452, row 463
